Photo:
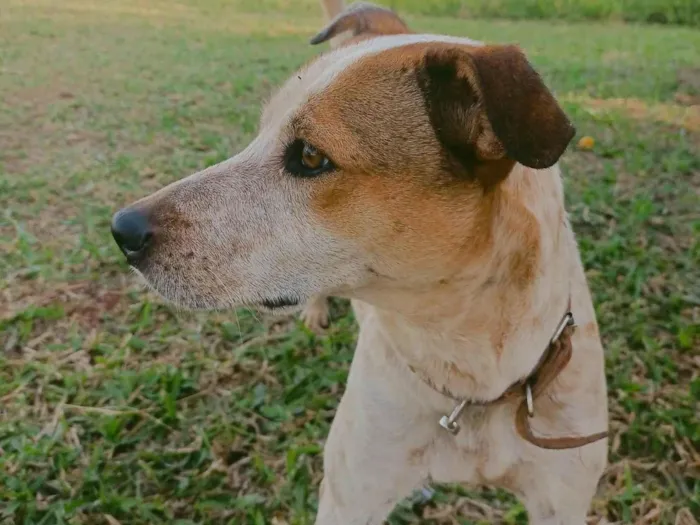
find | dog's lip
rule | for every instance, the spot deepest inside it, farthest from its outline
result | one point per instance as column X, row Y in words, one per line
column 280, row 302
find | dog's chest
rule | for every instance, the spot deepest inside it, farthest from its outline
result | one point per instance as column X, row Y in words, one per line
column 481, row 453
column 486, row 446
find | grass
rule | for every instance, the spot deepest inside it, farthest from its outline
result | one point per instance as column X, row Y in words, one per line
column 682, row 12
column 116, row 409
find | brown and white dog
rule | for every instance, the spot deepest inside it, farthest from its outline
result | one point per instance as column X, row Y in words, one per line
column 417, row 175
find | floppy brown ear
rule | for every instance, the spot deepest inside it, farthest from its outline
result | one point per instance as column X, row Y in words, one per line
column 364, row 20
column 488, row 103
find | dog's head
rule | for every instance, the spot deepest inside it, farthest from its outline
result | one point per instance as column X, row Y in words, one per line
column 377, row 165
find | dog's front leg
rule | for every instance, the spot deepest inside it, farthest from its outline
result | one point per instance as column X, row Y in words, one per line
column 316, row 314
column 557, row 486
column 366, row 469
column 369, row 458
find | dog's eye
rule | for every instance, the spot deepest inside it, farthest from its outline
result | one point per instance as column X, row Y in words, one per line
column 311, row 158
column 304, row 160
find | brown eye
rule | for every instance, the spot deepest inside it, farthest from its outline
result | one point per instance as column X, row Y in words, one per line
column 304, row 160
column 311, row 158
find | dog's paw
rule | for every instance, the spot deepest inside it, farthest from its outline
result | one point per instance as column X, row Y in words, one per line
column 316, row 315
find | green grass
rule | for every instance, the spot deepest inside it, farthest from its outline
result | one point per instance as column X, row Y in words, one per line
column 682, row 12
column 116, row 409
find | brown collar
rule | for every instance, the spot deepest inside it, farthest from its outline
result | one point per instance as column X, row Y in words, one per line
column 554, row 359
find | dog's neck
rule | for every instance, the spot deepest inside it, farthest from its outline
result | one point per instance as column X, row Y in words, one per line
column 487, row 326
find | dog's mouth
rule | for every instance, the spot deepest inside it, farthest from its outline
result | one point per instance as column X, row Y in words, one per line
column 279, row 304
column 189, row 300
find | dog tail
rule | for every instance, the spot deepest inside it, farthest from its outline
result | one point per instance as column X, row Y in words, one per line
column 332, row 8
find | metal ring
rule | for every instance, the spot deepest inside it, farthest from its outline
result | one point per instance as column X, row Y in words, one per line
column 529, row 401
column 451, row 426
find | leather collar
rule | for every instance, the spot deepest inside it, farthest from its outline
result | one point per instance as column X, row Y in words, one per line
column 526, row 391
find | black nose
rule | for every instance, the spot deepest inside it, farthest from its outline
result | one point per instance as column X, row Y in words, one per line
column 133, row 233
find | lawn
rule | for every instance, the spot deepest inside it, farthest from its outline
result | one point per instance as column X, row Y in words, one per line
column 115, row 408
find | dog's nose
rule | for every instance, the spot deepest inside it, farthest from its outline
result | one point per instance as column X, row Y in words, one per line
column 132, row 232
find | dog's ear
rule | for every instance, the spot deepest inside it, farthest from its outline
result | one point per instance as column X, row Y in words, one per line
column 364, row 20
column 488, row 103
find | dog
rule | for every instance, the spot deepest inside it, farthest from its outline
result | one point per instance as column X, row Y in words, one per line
column 416, row 175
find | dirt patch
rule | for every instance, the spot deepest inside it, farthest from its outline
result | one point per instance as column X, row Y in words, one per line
column 51, row 311
column 688, row 93
column 686, row 117
column 31, row 138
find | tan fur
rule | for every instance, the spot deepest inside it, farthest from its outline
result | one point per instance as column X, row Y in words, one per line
column 331, row 9
column 458, row 258
column 360, row 21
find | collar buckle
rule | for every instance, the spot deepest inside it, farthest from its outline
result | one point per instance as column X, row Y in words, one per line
column 567, row 320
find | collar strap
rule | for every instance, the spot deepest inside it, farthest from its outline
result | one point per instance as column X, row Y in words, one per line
column 554, row 359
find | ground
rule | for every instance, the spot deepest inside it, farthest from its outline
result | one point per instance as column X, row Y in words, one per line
column 114, row 408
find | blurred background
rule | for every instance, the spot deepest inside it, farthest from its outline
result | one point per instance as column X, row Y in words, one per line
column 682, row 12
